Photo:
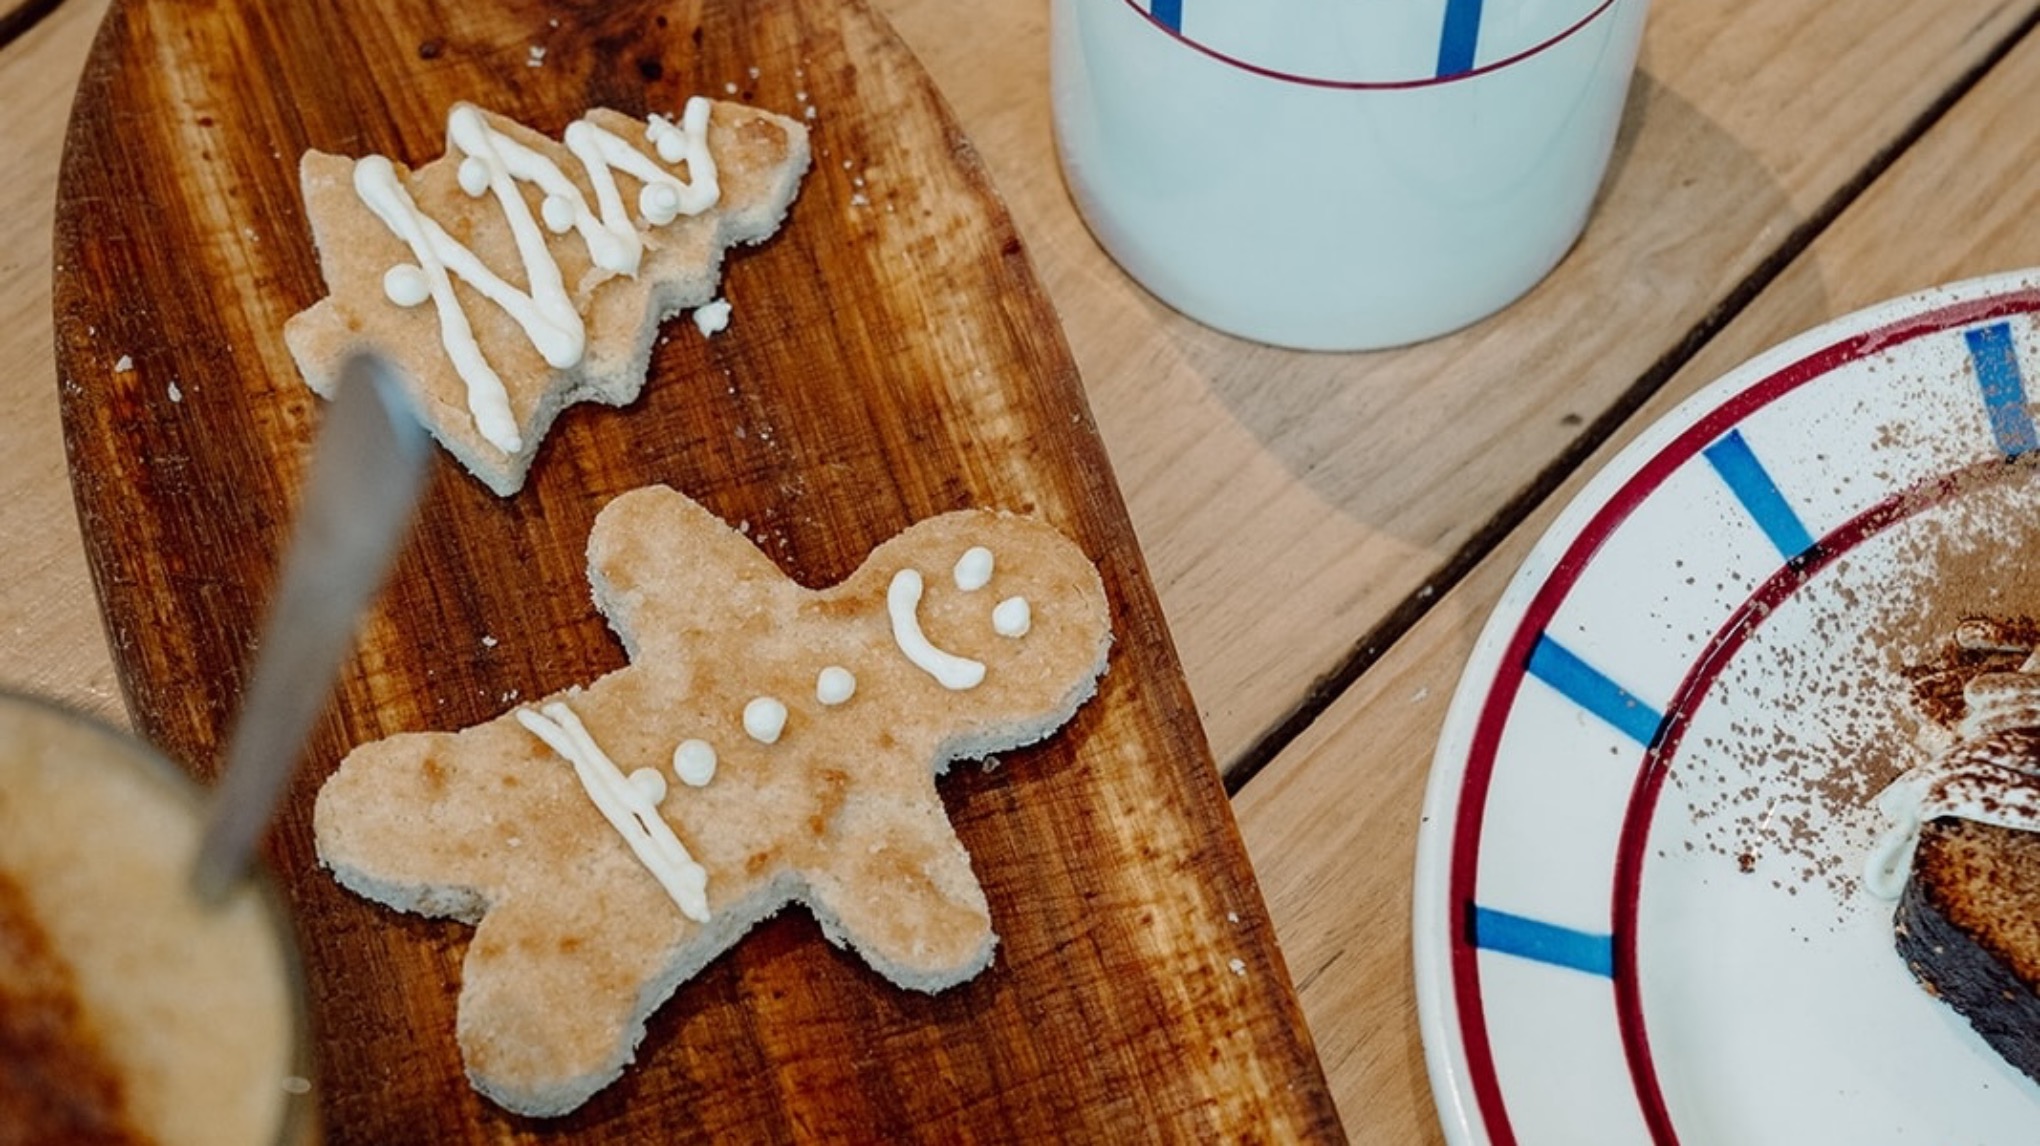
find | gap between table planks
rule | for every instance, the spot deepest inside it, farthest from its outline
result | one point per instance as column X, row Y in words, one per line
column 892, row 357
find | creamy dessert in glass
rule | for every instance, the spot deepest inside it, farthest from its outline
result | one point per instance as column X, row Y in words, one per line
column 129, row 1010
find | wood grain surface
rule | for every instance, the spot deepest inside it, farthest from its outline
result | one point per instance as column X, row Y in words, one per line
column 892, row 357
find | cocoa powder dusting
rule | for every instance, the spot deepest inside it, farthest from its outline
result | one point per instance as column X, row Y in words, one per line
column 1857, row 677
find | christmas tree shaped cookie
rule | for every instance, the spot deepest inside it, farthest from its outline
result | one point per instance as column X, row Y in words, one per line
column 518, row 274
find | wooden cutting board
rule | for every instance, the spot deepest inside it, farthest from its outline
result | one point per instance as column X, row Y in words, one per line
column 892, row 357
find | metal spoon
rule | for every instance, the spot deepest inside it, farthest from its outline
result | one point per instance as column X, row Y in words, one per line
column 367, row 469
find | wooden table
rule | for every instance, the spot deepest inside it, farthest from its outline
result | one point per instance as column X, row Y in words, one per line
column 1779, row 164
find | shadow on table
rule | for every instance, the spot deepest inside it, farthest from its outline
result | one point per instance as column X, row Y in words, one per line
column 1687, row 226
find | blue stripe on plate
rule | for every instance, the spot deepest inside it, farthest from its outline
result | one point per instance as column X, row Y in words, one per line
column 1459, row 38
column 1543, row 942
column 1168, row 13
column 1584, row 685
column 2004, row 391
column 1737, row 464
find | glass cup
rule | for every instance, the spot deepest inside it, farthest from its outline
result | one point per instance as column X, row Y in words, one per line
column 1338, row 174
column 128, row 1009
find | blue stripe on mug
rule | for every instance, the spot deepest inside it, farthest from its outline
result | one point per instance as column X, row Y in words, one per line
column 1458, row 37
column 1461, row 35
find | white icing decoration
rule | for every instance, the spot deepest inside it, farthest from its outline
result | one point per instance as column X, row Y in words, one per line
column 688, row 143
column 495, row 162
column 650, row 784
column 375, row 180
column 547, row 315
column 834, row 685
column 658, row 201
column 974, row 569
column 558, row 214
column 406, row 285
column 625, row 806
column 474, row 177
column 1012, row 617
column 903, row 603
column 694, row 763
column 764, row 719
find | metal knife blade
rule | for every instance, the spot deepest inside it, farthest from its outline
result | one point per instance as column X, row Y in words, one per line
column 367, row 470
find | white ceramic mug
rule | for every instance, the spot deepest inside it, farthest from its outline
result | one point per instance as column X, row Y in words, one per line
column 1338, row 174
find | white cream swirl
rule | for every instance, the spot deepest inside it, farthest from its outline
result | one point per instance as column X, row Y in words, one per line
column 1990, row 776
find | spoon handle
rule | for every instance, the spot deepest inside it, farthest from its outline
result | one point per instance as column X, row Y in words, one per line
column 367, row 469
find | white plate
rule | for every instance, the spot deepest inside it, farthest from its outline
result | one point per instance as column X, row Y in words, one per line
column 1637, row 911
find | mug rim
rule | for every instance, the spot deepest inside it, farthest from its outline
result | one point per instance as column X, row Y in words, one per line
column 1325, row 82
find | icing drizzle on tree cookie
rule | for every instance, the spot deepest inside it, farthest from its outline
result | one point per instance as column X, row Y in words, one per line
column 495, row 164
column 519, row 273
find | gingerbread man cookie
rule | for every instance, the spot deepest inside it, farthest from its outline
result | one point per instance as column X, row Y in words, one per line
column 517, row 275
column 768, row 744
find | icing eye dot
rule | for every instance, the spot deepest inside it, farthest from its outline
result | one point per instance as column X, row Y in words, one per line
column 474, row 176
column 659, row 204
column 974, row 569
column 650, row 784
column 405, row 284
column 765, row 719
column 835, row 685
column 558, row 214
column 694, row 763
column 1012, row 617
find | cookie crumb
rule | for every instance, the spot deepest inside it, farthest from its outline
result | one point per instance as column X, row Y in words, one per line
column 712, row 318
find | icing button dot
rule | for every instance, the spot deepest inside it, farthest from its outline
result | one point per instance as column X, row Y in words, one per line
column 835, row 685
column 659, row 204
column 558, row 214
column 765, row 719
column 694, row 762
column 649, row 784
column 405, row 284
column 474, row 176
column 666, row 138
